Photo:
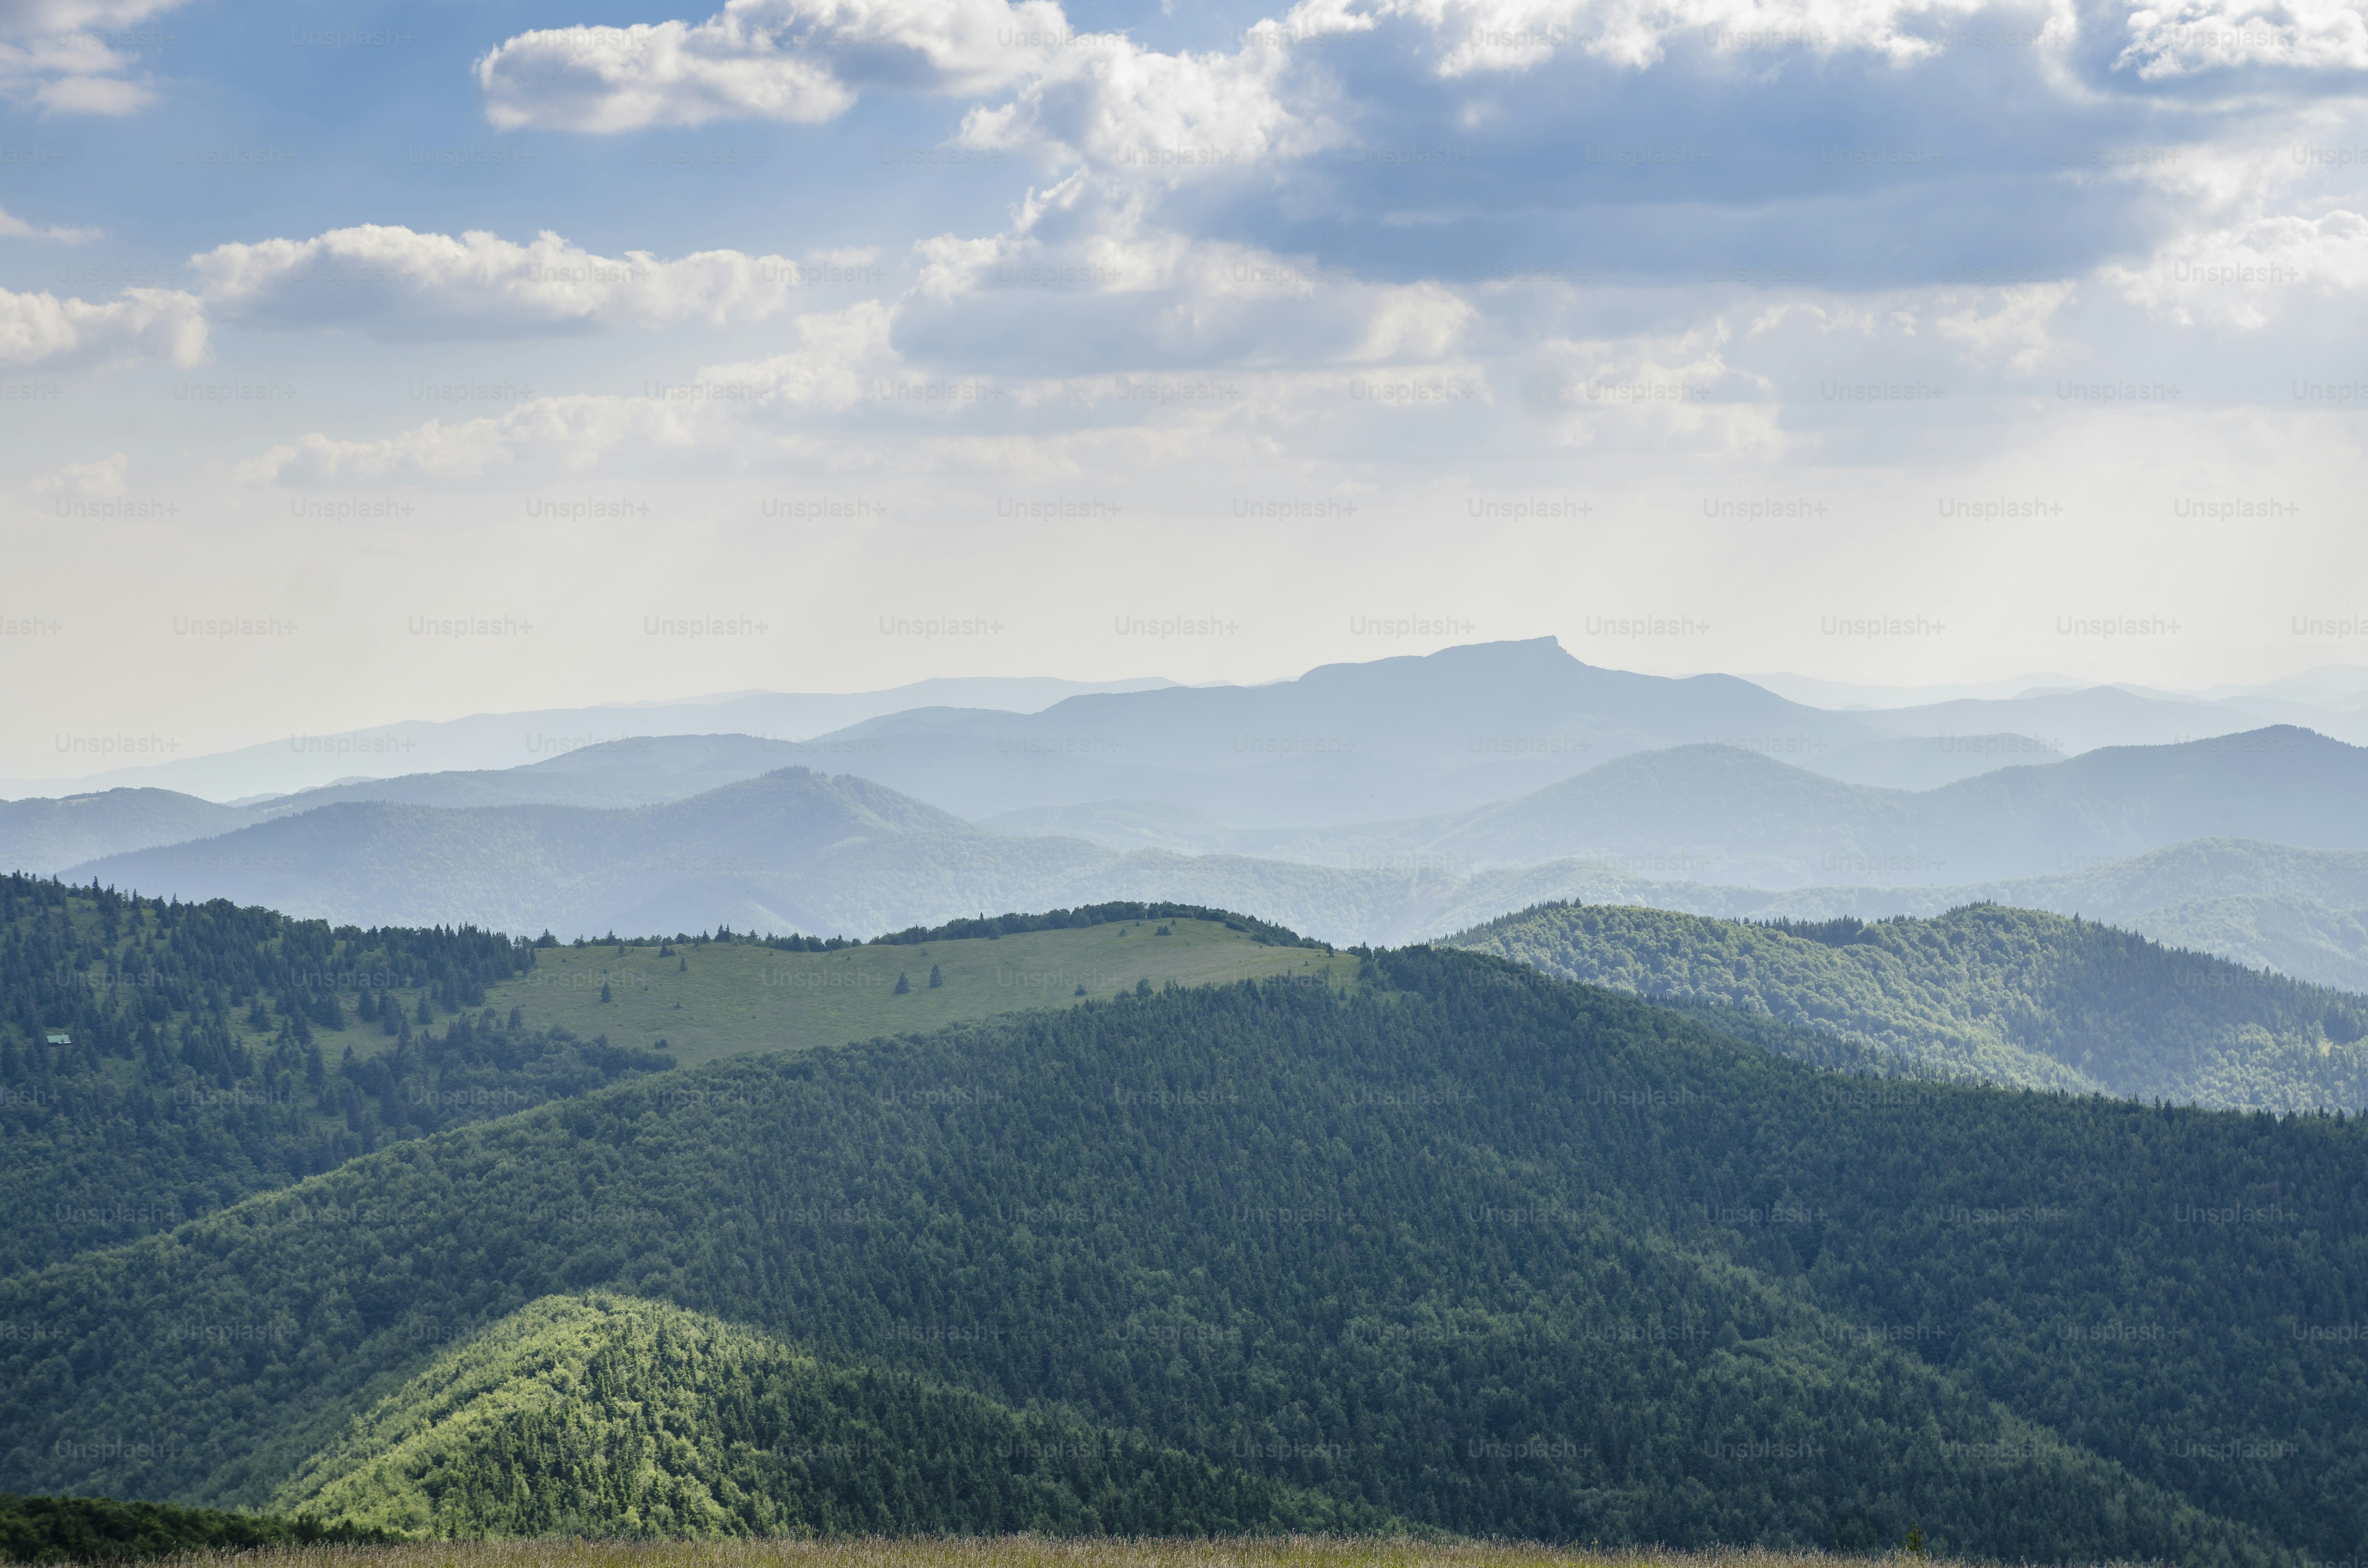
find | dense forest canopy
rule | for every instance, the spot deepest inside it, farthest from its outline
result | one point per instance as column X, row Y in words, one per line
column 161, row 1061
column 2015, row 996
column 100, row 1530
column 1473, row 1247
column 599, row 1414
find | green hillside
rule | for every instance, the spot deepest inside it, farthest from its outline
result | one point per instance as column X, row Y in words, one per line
column 1486, row 1251
column 100, row 1530
column 2309, row 940
column 599, row 1414
column 162, row 1061
column 210, row 1053
column 716, row 999
column 2015, row 996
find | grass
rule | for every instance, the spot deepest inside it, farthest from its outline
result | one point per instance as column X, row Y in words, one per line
column 725, row 998
column 1030, row 1551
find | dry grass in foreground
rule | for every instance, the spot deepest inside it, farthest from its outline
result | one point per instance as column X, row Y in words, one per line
column 1032, row 1552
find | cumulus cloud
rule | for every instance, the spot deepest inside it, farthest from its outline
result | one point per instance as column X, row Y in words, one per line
column 22, row 18
column 837, row 351
column 1086, row 281
column 2181, row 40
column 1655, row 390
column 2015, row 326
column 396, row 283
column 15, row 227
column 1189, row 224
column 790, row 60
column 1165, row 118
column 399, row 285
column 810, row 60
column 51, row 59
column 572, row 432
column 140, row 324
column 2245, row 275
column 1507, row 35
column 97, row 480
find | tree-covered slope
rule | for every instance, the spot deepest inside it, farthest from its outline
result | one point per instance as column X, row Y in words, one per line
column 600, row 1415
column 2311, row 941
column 161, row 1061
column 210, row 1053
column 2013, row 995
column 100, row 1530
column 1490, row 1252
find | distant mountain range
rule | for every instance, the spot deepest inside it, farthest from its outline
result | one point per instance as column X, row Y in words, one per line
column 1343, row 743
column 48, row 836
column 502, row 741
column 801, row 850
column 1436, row 719
column 1721, row 814
column 1708, row 813
column 1576, row 782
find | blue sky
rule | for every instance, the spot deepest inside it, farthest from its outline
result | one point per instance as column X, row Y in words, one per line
column 800, row 320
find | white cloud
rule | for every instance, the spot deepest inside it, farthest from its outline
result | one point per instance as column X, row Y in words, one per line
column 2013, row 325
column 2181, row 39
column 611, row 79
column 2245, row 275
column 139, row 325
column 790, row 60
column 1653, row 392
column 1084, row 281
column 51, row 60
column 1474, row 36
column 826, row 372
column 102, row 480
column 400, row 284
column 572, row 432
column 27, row 19
column 15, row 227
column 1160, row 118
column 110, row 97
column 809, row 59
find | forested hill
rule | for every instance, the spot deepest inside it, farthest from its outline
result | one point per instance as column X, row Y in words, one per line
column 602, row 1415
column 2015, row 996
column 159, row 1060
column 100, row 1530
column 1487, row 1251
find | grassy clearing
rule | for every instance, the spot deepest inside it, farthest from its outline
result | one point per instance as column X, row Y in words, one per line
column 1034, row 1551
column 725, row 998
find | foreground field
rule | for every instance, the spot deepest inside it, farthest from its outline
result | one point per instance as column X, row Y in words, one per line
column 724, row 998
column 1032, row 1552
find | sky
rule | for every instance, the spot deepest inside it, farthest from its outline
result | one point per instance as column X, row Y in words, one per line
column 380, row 362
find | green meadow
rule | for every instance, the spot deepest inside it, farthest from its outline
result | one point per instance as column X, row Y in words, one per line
column 721, row 998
